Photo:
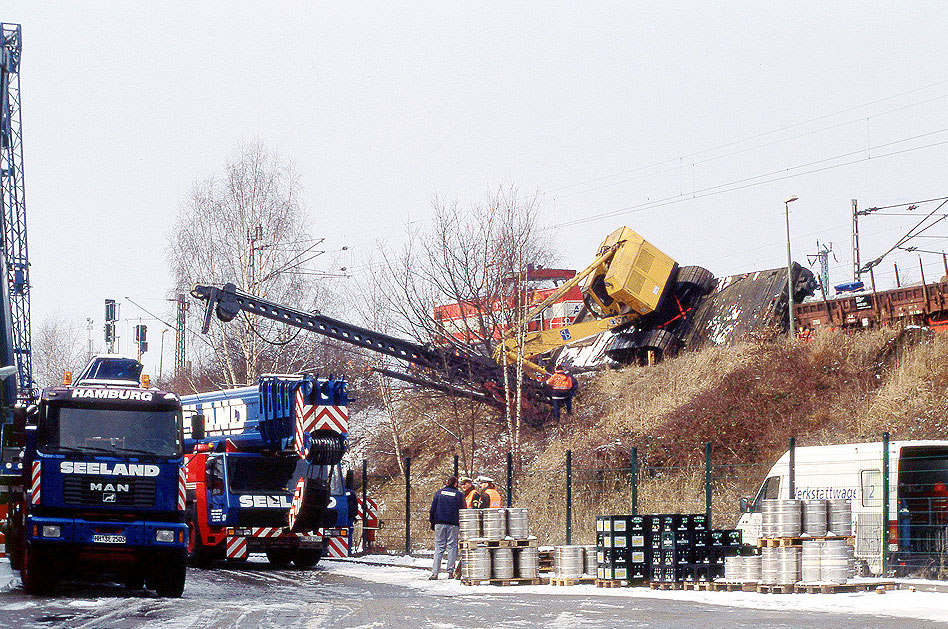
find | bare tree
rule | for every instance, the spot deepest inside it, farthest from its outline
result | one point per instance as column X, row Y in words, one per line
column 57, row 348
column 247, row 226
column 474, row 259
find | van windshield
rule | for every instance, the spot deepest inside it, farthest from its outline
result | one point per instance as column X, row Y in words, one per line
column 770, row 490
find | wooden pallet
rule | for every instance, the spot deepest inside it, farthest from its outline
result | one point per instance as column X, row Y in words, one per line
column 774, row 589
column 574, row 581
column 504, row 582
column 496, row 543
column 793, row 542
column 697, row 586
column 611, row 583
column 665, row 585
column 780, row 542
column 750, row 586
column 838, row 588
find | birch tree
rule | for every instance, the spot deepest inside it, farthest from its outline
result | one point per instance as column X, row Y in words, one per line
column 247, row 225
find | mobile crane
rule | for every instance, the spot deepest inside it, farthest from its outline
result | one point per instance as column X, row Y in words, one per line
column 264, row 474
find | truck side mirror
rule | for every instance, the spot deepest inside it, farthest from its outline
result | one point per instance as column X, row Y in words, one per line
column 197, row 426
column 745, row 504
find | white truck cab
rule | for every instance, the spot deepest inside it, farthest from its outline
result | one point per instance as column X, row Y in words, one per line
column 918, row 498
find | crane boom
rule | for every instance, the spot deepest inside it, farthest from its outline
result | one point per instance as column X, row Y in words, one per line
column 15, row 347
column 455, row 367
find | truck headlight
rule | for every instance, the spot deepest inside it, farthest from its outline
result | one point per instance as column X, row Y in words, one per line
column 164, row 535
column 50, row 530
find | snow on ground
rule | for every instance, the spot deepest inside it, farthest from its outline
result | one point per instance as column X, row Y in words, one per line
column 899, row 603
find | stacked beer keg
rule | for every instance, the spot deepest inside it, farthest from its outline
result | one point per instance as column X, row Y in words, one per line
column 806, row 540
column 495, row 544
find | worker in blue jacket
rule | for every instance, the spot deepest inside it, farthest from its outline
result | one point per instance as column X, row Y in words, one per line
column 445, row 522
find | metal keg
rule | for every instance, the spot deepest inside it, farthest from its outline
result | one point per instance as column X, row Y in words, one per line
column 768, row 565
column 814, row 518
column 528, row 562
column 494, row 524
column 733, row 568
column 789, row 519
column 502, row 563
column 517, row 524
column 840, row 519
column 590, row 561
column 788, row 565
column 750, row 568
column 475, row 563
column 834, row 561
column 568, row 561
column 810, row 566
column 768, row 517
column 470, row 521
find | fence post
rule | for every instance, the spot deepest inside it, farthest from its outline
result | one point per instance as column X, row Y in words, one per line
column 509, row 479
column 408, row 505
column 793, row 467
column 885, row 503
column 634, row 467
column 707, row 482
column 569, row 497
column 455, row 466
column 363, row 510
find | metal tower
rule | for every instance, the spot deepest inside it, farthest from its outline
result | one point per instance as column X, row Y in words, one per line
column 180, row 358
column 16, row 288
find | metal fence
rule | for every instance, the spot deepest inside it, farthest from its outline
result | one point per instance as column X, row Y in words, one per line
column 891, row 532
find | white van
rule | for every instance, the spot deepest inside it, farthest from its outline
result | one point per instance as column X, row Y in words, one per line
column 918, row 499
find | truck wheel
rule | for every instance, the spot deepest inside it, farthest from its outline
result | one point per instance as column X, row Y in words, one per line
column 135, row 579
column 198, row 553
column 307, row 557
column 35, row 572
column 279, row 557
column 169, row 582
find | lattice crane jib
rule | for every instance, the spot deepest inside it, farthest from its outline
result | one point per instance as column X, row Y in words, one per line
column 16, row 307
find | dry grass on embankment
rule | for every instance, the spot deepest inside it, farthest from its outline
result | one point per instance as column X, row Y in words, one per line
column 746, row 400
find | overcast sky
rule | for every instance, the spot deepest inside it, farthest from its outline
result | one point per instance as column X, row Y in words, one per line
column 690, row 122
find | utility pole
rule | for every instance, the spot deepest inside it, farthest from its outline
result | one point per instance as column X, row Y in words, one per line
column 89, row 332
column 856, row 261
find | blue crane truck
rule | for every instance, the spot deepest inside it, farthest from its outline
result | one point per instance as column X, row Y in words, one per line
column 264, row 473
column 103, row 483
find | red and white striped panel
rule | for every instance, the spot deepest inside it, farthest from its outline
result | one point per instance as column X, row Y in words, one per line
column 334, row 418
column 370, row 514
column 3, row 545
column 305, row 421
column 35, row 483
column 236, row 547
column 337, row 546
column 297, row 501
column 182, row 488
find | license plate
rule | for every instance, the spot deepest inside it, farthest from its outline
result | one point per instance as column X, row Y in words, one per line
column 108, row 539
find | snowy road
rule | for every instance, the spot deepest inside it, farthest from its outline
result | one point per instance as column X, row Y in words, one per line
column 339, row 594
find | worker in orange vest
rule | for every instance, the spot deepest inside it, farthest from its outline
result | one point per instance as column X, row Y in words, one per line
column 471, row 495
column 490, row 497
column 562, row 390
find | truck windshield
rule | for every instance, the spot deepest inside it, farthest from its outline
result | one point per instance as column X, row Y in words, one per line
column 119, row 431
column 252, row 474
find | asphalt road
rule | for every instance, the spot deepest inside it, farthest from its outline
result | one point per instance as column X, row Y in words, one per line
column 257, row 596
